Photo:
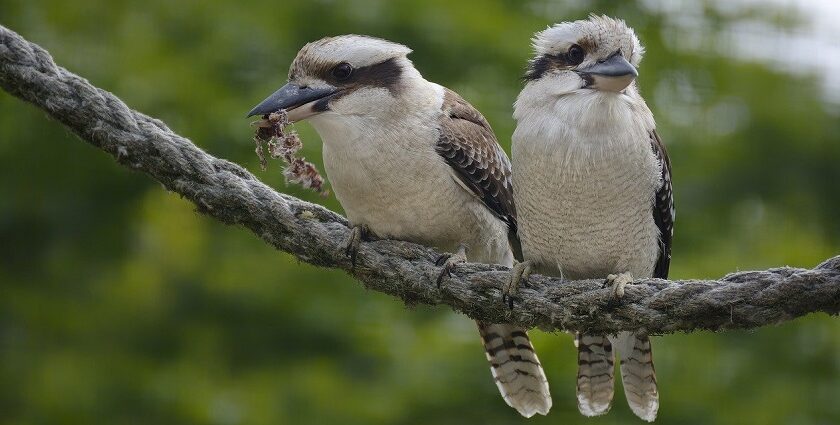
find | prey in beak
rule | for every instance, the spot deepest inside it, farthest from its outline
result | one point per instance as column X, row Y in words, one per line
column 299, row 102
column 614, row 74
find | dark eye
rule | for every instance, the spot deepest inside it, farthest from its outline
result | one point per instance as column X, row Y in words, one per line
column 575, row 55
column 342, row 71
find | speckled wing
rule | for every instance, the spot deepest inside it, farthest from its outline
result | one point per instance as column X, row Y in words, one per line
column 468, row 145
column 663, row 209
column 479, row 164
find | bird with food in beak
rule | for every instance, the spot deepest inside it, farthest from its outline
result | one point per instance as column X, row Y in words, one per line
column 409, row 159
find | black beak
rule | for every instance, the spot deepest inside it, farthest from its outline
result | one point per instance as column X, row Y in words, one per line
column 290, row 96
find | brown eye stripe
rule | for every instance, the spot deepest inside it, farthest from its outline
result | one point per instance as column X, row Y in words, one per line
column 545, row 63
column 384, row 74
column 537, row 67
column 588, row 44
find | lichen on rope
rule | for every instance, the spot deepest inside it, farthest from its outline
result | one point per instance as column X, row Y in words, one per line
column 318, row 236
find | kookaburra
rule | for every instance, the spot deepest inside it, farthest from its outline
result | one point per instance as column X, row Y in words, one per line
column 409, row 159
column 592, row 185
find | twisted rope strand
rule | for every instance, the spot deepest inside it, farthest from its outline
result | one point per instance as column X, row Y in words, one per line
column 313, row 234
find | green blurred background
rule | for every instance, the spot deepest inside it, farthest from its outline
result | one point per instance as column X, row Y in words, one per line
column 120, row 305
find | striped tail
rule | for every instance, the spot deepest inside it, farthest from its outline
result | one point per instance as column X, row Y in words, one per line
column 595, row 374
column 638, row 375
column 516, row 368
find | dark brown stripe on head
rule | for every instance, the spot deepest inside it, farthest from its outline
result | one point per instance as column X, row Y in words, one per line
column 384, row 74
column 546, row 63
column 588, row 43
column 538, row 67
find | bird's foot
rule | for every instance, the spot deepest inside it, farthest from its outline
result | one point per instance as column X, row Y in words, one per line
column 617, row 282
column 359, row 234
column 518, row 276
column 449, row 261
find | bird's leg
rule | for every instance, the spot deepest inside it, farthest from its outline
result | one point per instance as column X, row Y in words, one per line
column 357, row 235
column 518, row 275
column 617, row 282
column 449, row 261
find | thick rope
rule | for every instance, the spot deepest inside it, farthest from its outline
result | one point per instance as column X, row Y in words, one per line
column 318, row 236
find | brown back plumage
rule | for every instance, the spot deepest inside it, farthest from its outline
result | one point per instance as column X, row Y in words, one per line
column 479, row 164
column 468, row 145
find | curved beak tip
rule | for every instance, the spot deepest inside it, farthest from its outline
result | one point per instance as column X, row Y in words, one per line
column 613, row 74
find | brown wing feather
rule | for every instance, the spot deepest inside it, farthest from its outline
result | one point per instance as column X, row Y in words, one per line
column 468, row 145
column 663, row 209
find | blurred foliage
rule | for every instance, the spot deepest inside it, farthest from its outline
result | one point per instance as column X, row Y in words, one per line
column 120, row 305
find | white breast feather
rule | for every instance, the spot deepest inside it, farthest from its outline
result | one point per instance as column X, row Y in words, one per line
column 388, row 176
column 584, row 182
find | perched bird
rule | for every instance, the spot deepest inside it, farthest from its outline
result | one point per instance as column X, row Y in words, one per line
column 592, row 187
column 409, row 159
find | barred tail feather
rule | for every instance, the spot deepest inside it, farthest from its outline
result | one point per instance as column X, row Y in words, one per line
column 516, row 368
column 638, row 375
column 595, row 374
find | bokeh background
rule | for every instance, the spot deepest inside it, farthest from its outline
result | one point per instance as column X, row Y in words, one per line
column 120, row 305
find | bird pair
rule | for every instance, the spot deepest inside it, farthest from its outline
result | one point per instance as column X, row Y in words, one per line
column 588, row 194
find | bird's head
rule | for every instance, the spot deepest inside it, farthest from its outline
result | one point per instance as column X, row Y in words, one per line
column 343, row 76
column 600, row 53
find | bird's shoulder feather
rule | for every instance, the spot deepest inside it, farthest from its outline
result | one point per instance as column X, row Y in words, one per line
column 663, row 208
column 470, row 148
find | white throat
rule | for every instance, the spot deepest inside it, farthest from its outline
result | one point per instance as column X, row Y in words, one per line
column 375, row 114
column 582, row 128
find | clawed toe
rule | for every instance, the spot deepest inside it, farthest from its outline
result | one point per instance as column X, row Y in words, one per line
column 448, row 262
column 358, row 234
column 617, row 282
column 518, row 276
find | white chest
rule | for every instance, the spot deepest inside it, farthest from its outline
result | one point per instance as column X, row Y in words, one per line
column 383, row 168
column 584, row 187
column 387, row 185
column 393, row 181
